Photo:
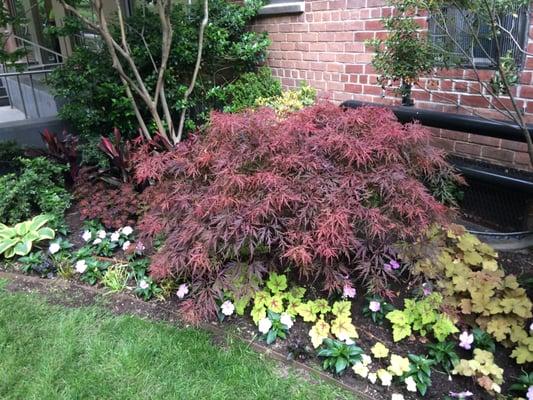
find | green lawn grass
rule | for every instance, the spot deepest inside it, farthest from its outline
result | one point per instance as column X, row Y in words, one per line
column 53, row 352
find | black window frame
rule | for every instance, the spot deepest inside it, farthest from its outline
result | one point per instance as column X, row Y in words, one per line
column 520, row 31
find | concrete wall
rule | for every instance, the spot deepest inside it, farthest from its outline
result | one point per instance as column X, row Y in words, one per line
column 28, row 133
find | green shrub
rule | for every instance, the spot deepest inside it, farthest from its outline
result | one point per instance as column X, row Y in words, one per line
column 95, row 101
column 250, row 86
column 10, row 151
column 38, row 189
column 290, row 100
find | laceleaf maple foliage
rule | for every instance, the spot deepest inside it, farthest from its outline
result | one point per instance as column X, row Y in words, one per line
column 114, row 205
column 326, row 193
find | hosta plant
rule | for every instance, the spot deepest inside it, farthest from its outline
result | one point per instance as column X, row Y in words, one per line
column 467, row 273
column 422, row 316
column 338, row 356
column 443, row 354
column 325, row 193
column 19, row 239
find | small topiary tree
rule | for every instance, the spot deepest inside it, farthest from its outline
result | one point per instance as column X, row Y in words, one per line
column 326, row 193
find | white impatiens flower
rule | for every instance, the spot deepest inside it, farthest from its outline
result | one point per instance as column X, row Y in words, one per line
column 385, row 377
column 97, row 241
column 54, row 248
column 411, row 384
column 115, row 236
column 101, row 234
column 86, row 236
column 143, row 284
column 361, row 370
column 531, row 327
column 80, row 266
column 126, row 245
column 286, row 320
column 366, row 359
column 127, row 230
column 372, row 377
column 264, row 325
column 497, row 388
column 349, row 341
column 227, row 308
column 397, row 396
column 183, row 289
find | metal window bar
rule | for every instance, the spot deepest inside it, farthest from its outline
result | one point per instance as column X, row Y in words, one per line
column 462, row 26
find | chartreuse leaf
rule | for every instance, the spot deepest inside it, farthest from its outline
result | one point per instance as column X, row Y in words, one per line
column 277, row 283
column 308, row 311
column 343, row 328
column 275, row 303
column 379, row 350
column 319, row 332
column 342, row 308
column 258, row 313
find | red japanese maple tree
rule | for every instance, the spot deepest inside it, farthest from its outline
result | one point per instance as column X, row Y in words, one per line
column 327, row 192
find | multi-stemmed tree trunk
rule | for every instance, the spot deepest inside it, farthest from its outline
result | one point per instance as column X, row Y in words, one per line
column 135, row 86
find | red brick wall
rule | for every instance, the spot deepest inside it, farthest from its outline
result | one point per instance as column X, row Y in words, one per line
column 325, row 46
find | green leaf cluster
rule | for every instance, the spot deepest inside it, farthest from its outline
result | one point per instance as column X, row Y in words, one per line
column 468, row 275
column 38, row 189
column 274, row 297
column 19, row 239
column 339, row 356
column 420, row 371
column 422, row 316
column 443, row 354
column 243, row 93
column 290, row 100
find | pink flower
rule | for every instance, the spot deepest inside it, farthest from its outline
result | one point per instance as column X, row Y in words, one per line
column 426, row 289
column 530, row 393
column 374, row 306
column 465, row 340
column 183, row 289
column 348, row 291
column 392, row 265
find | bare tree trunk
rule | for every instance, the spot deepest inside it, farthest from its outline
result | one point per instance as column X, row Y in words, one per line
column 136, row 86
column 196, row 69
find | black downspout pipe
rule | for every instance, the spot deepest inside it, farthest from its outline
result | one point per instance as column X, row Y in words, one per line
column 469, row 124
column 453, row 122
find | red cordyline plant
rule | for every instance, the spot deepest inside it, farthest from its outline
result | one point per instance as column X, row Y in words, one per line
column 326, row 193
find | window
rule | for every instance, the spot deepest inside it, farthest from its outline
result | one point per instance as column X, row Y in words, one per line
column 474, row 38
column 275, row 7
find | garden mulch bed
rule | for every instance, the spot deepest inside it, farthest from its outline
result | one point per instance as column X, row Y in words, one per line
column 296, row 350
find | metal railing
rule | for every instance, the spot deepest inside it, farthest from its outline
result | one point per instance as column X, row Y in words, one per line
column 16, row 84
